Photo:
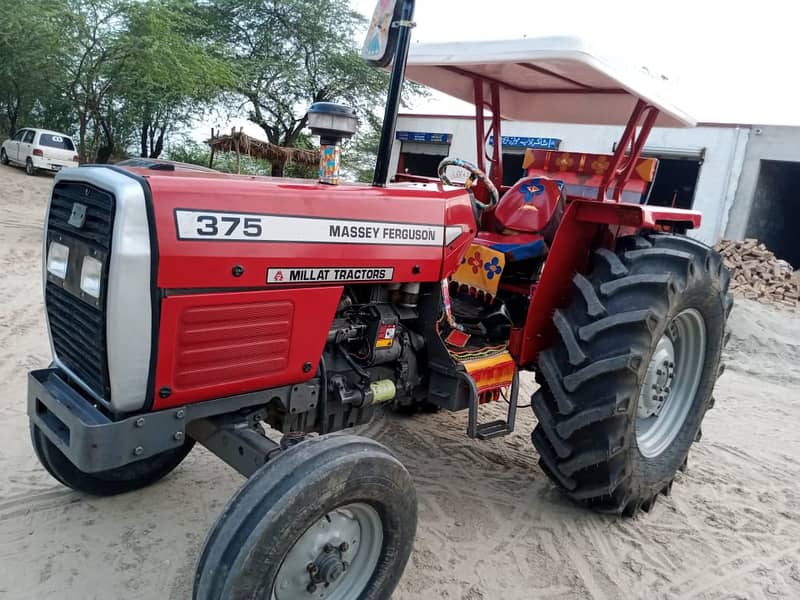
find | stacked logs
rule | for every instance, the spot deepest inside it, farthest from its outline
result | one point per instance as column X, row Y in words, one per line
column 756, row 273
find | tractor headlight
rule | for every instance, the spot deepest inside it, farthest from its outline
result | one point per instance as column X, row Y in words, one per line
column 57, row 259
column 91, row 272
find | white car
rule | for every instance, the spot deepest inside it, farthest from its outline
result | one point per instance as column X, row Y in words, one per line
column 37, row 149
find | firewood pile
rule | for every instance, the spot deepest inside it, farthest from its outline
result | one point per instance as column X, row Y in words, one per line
column 756, row 273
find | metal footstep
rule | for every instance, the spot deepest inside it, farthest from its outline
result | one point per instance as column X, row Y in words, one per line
column 498, row 427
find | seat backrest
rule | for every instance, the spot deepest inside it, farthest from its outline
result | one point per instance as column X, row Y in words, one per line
column 530, row 205
column 582, row 173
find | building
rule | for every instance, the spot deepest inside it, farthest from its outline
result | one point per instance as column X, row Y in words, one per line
column 743, row 178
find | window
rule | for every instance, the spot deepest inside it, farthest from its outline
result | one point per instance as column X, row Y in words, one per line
column 20, row 134
column 422, row 158
column 56, row 141
column 29, row 137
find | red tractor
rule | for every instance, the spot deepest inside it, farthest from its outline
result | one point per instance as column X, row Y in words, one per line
column 263, row 317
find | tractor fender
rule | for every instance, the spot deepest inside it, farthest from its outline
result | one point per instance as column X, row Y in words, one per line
column 585, row 226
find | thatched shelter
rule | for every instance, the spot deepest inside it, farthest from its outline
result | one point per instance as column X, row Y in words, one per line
column 241, row 143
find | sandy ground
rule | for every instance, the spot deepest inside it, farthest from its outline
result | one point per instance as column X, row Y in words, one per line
column 491, row 526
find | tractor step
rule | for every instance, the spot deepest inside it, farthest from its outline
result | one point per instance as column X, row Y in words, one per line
column 493, row 429
column 496, row 428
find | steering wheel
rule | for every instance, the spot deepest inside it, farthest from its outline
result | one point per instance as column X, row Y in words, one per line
column 474, row 174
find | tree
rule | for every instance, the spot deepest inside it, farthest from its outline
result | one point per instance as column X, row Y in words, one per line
column 91, row 61
column 359, row 155
column 168, row 75
column 29, row 77
column 291, row 53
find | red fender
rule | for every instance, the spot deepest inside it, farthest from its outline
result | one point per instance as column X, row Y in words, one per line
column 586, row 225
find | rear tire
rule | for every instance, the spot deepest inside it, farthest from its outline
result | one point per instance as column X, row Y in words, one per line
column 3, row 156
column 29, row 168
column 286, row 526
column 632, row 310
column 131, row 477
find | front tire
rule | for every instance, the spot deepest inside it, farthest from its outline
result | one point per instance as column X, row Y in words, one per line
column 333, row 517
column 3, row 156
column 626, row 384
column 131, row 477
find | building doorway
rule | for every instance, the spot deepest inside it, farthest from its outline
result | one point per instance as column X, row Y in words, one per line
column 775, row 211
column 675, row 182
column 512, row 167
column 423, row 157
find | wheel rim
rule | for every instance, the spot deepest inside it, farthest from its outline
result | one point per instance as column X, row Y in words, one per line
column 29, row 166
column 671, row 382
column 335, row 558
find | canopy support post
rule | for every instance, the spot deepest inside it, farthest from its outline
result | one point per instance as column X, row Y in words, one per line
column 621, row 168
column 480, row 132
column 496, row 172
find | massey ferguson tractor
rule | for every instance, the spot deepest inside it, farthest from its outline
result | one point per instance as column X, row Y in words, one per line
column 263, row 318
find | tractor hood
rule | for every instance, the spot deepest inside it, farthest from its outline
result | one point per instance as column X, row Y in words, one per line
column 218, row 231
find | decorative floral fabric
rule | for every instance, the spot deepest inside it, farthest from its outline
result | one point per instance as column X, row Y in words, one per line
column 481, row 269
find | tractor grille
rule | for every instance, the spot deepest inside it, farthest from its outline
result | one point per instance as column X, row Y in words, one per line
column 78, row 324
column 79, row 337
column 96, row 230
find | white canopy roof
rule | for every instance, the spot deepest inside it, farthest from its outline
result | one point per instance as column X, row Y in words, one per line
column 559, row 79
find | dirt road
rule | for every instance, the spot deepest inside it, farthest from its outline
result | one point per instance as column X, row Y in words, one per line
column 491, row 525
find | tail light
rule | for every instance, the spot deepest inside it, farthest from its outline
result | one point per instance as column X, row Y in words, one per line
column 37, row 152
column 75, row 158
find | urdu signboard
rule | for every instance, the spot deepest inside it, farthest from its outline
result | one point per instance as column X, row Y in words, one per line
column 538, row 143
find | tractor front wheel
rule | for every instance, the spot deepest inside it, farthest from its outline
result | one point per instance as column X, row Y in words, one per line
column 331, row 518
column 131, row 477
column 626, row 385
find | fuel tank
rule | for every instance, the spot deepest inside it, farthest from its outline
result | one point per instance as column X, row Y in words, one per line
column 217, row 231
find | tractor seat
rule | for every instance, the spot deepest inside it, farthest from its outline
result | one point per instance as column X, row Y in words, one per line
column 526, row 218
column 532, row 205
column 515, row 246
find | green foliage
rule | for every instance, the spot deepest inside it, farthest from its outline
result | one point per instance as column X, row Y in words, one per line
column 168, row 74
column 127, row 74
column 291, row 53
column 199, row 154
column 359, row 155
column 29, row 72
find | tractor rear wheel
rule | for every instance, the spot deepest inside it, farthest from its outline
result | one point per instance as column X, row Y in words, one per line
column 331, row 518
column 131, row 477
column 626, row 384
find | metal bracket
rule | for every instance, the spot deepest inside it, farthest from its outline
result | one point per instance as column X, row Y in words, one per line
column 233, row 439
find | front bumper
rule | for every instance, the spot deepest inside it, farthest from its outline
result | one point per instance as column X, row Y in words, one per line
column 93, row 442
column 86, row 436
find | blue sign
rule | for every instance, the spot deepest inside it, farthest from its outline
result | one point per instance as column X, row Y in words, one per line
column 423, row 136
column 529, row 142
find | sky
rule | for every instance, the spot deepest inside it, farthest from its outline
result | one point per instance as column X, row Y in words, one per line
column 730, row 61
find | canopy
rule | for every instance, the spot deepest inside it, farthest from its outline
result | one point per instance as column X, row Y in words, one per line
column 558, row 79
